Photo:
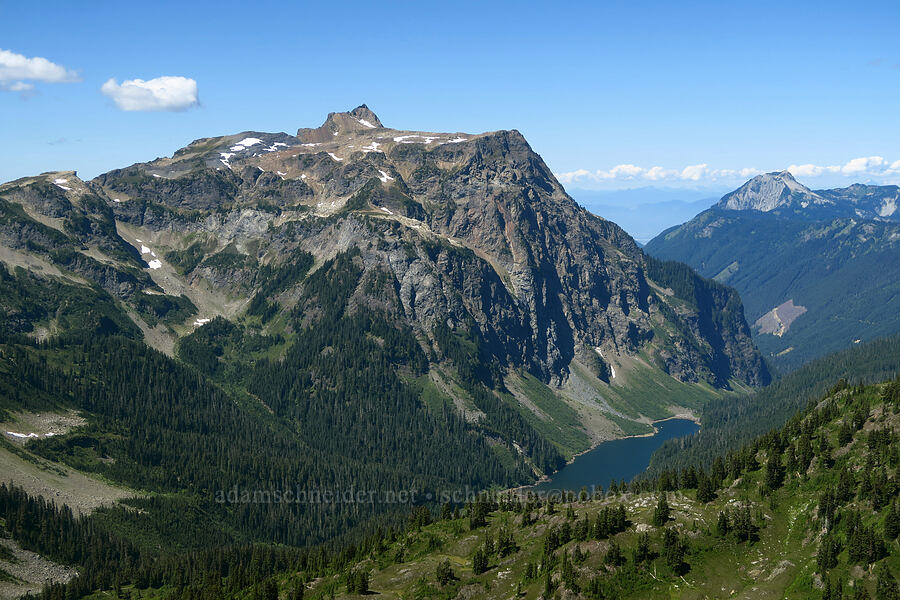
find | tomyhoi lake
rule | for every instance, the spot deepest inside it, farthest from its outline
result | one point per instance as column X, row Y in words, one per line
column 616, row 459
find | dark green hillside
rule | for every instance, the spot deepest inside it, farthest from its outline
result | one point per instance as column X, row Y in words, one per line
column 809, row 510
column 728, row 424
column 845, row 272
column 333, row 410
column 720, row 308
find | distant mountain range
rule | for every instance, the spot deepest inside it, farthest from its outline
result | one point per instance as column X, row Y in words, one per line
column 817, row 270
column 645, row 212
column 779, row 193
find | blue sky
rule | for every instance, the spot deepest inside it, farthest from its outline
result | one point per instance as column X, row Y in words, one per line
column 707, row 93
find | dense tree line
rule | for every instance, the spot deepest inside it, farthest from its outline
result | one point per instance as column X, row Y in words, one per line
column 276, row 279
column 477, row 379
column 27, row 299
column 857, row 511
column 332, row 414
column 730, row 423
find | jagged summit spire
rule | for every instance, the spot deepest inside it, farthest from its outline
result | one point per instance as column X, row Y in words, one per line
column 365, row 116
column 360, row 118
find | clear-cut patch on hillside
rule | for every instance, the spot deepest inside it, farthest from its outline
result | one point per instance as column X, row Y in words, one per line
column 778, row 320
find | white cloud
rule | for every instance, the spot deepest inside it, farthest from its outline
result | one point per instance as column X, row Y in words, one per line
column 630, row 172
column 658, row 173
column 17, row 71
column 809, row 170
column 20, row 86
column 162, row 93
column 626, row 171
column 694, row 172
column 863, row 168
column 863, row 165
column 574, row 175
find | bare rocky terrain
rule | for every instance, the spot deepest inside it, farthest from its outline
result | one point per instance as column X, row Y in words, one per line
column 778, row 320
column 31, row 571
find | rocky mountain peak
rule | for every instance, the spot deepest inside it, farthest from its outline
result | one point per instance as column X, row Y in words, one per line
column 473, row 228
column 51, row 187
column 364, row 114
column 770, row 191
column 360, row 118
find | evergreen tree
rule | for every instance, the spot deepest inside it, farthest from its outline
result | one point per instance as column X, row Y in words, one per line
column 614, row 555
column 674, row 552
column 774, row 472
column 270, row 590
column 567, row 573
column 742, row 524
column 642, row 552
column 886, row 587
column 548, row 585
column 827, row 557
column 444, row 572
column 661, row 513
column 892, row 521
column 506, row 543
column 705, row 490
column 689, row 478
column 297, row 591
column 723, row 525
column 479, row 562
column 845, row 434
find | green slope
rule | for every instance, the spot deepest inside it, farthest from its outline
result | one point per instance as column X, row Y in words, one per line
column 807, row 511
column 331, row 409
column 730, row 423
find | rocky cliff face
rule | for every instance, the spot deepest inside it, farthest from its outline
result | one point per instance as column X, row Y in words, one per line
column 769, row 192
column 470, row 227
column 470, row 232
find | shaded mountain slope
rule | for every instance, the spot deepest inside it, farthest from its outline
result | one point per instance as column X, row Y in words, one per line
column 835, row 253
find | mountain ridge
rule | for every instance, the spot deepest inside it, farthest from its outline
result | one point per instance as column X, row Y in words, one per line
column 780, row 192
column 461, row 253
column 831, row 255
column 482, row 224
column 768, row 192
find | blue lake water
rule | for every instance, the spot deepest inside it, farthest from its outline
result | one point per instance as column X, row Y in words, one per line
column 616, row 459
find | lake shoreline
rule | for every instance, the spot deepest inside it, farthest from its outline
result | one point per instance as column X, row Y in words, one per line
column 685, row 416
column 689, row 416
